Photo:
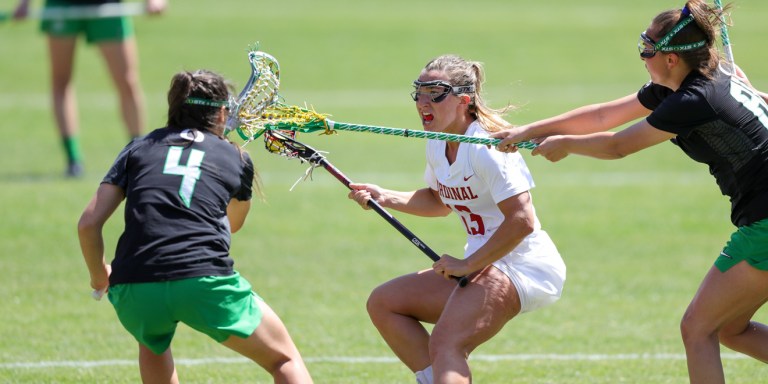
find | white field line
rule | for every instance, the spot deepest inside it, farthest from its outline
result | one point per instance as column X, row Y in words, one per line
column 366, row 360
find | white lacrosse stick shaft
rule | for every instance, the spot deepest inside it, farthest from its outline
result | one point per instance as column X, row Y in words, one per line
column 724, row 36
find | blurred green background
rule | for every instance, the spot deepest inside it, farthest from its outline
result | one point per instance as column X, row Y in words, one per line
column 637, row 234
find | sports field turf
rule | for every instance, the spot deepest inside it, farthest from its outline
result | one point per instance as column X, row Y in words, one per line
column 637, row 234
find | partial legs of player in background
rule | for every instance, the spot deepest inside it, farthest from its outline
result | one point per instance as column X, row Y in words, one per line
column 123, row 64
column 121, row 58
column 270, row 346
column 61, row 51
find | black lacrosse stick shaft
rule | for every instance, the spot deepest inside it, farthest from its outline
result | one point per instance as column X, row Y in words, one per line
column 388, row 217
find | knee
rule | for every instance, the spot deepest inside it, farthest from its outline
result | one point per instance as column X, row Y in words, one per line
column 441, row 352
column 376, row 303
column 128, row 87
column 693, row 329
column 437, row 347
column 687, row 327
column 127, row 82
column 443, row 345
column 285, row 366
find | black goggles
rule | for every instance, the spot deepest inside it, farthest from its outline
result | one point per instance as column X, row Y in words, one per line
column 438, row 90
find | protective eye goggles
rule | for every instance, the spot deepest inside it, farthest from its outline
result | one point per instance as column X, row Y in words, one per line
column 648, row 47
column 438, row 90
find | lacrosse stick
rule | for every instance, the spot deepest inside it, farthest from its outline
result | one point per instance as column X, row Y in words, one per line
column 259, row 92
column 724, row 36
column 279, row 116
column 280, row 143
column 83, row 12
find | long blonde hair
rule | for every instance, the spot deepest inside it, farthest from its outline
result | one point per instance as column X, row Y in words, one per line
column 462, row 72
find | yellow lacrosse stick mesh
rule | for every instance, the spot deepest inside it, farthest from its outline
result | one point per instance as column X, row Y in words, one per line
column 275, row 145
column 283, row 117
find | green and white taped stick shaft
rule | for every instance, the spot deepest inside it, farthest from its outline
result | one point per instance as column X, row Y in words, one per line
column 724, row 35
column 422, row 134
column 335, row 125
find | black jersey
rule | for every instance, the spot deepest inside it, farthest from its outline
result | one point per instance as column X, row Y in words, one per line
column 177, row 184
column 723, row 123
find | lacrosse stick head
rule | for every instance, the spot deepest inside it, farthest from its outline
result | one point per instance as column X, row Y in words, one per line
column 283, row 142
column 283, row 117
column 258, row 93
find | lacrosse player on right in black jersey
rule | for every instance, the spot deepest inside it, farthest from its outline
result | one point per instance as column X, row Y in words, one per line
column 708, row 109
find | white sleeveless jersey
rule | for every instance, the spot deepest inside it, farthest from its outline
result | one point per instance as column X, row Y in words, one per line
column 475, row 183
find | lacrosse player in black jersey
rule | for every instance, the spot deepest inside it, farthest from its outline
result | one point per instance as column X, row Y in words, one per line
column 186, row 189
column 709, row 110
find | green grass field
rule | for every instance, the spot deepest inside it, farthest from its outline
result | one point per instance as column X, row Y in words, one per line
column 637, row 234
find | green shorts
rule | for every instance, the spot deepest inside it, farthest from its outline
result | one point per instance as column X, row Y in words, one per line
column 95, row 30
column 749, row 243
column 218, row 306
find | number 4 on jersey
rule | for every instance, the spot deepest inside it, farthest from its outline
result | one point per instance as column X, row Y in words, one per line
column 190, row 173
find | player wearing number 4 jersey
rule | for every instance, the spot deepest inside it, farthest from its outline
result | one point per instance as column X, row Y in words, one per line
column 512, row 264
column 716, row 118
column 186, row 188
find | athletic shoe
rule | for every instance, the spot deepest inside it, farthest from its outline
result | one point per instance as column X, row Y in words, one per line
column 74, row 170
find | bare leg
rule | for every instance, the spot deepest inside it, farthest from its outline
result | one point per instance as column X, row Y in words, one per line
column 62, row 54
column 747, row 337
column 122, row 61
column 722, row 307
column 61, row 51
column 271, row 347
column 398, row 307
column 157, row 369
column 472, row 316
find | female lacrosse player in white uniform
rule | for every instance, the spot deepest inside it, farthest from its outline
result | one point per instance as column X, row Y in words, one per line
column 186, row 188
column 715, row 118
column 512, row 264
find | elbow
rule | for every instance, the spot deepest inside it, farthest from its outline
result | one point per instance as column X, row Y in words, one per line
column 88, row 225
column 234, row 227
column 622, row 145
column 235, row 223
column 527, row 228
column 437, row 210
column 237, row 211
column 617, row 151
column 620, row 153
column 519, row 228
